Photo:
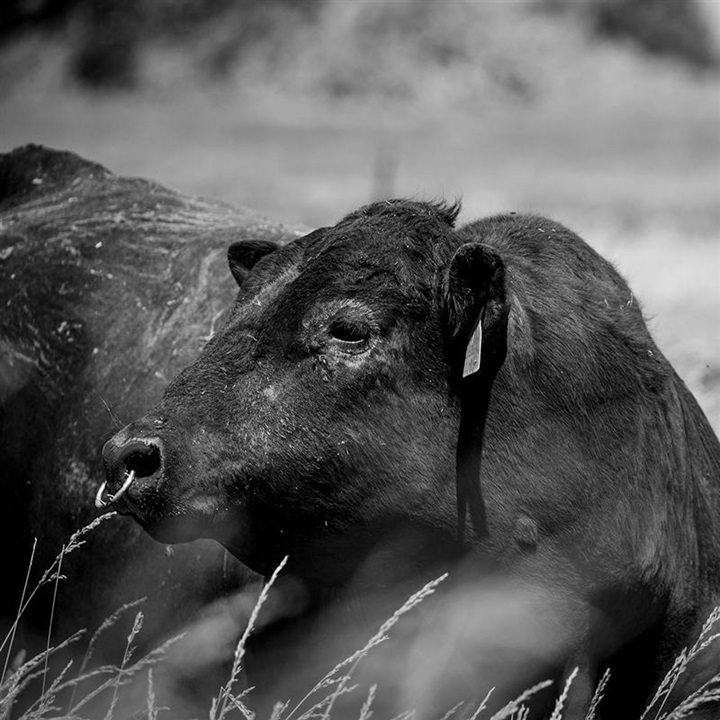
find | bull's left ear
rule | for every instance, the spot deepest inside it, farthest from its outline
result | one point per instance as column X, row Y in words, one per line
column 476, row 310
column 243, row 255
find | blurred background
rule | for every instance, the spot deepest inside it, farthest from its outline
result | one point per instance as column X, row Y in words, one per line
column 604, row 114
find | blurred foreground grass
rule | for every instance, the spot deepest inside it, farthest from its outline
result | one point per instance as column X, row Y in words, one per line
column 81, row 688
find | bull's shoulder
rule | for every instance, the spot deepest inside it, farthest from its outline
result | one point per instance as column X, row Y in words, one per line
column 548, row 244
column 552, row 271
column 576, row 330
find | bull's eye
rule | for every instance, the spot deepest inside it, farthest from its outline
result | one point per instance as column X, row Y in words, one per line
column 350, row 335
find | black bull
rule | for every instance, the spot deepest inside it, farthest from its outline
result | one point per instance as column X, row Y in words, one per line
column 333, row 419
column 108, row 287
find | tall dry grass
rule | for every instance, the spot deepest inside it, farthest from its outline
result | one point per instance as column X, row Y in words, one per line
column 87, row 691
column 57, row 694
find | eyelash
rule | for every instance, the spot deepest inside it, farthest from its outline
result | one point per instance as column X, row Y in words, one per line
column 349, row 335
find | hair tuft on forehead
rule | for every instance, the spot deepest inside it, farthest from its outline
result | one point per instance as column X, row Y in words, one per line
column 442, row 210
column 447, row 210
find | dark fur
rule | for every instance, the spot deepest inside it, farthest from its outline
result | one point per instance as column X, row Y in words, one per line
column 597, row 470
column 108, row 287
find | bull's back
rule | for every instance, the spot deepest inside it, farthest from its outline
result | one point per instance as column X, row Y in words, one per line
column 108, row 287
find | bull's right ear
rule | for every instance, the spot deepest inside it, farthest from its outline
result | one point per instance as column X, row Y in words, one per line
column 476, row 310
column 476, row 313
column 243, row 255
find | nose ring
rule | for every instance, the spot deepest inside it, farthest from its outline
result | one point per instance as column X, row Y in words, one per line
column 101, row 502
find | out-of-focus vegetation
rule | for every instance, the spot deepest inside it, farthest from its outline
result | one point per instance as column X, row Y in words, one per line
column 337, row 46
column 83, row 688
column 138, row 686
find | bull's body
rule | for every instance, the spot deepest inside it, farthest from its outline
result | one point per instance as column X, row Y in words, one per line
column 108, row 286
column 330, row 421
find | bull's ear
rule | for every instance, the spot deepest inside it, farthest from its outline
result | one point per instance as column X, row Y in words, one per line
column 243, row 255
column 476, row 310
column 476, row 314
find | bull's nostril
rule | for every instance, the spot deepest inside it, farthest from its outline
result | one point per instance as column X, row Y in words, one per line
column 145, row 462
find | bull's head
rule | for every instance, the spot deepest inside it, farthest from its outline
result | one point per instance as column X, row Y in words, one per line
column 326, row 413
column 343, row 406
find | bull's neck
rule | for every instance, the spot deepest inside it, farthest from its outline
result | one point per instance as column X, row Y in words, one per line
column 393, row 563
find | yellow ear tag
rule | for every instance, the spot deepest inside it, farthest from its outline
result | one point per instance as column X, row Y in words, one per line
column 473, row 351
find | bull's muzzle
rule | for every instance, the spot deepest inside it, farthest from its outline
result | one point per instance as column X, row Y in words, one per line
column 127, row 459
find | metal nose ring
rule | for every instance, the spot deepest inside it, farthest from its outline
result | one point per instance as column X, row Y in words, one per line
column 101, row 502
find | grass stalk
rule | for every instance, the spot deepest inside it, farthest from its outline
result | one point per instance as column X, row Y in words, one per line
column 52, row 617
column 448, row 715
column 365, row 711
column 482, row 705
column 598, row 696
column 75, row 542
column 137, row 626
column 107, row 623
column 13, row 629
column 681, row 664
column 515, row 704
column 224, row 697
column 351, row 662
column 152, row 711
column 560, row 702
column 149, row 660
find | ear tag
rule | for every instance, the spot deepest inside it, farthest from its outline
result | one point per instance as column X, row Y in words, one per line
column 473, row 351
